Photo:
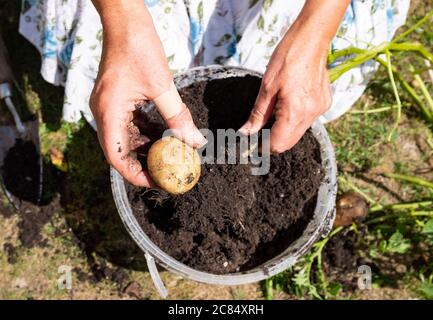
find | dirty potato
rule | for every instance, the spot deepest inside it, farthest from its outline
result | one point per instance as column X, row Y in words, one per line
column 173, row 165
column 351, row 207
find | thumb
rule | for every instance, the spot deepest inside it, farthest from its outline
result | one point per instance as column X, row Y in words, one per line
column 178, row 117
column 261, row 112
column 183, row 127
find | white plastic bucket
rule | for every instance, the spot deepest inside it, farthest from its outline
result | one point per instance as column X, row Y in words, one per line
column 319, row 226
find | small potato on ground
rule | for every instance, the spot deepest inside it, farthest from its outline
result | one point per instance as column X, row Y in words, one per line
column 351, row 207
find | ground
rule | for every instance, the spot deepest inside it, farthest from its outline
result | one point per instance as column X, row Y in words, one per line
column 78, row 227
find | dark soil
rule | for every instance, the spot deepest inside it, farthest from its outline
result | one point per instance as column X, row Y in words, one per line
column 133, row 290
column 340, row 259
column 231, row 220
column 21, row 177
column 33, row 218
column 21, row 171
column 11, row 252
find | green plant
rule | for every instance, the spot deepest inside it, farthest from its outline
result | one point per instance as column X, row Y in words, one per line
column 426, row 290
column 393, row 229
column 359, row 56
column 307, row 276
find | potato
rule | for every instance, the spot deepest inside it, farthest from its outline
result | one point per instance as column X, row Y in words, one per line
column 351, row 207
column 173, row 165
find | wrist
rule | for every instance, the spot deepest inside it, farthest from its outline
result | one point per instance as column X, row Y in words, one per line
column 304, row 34
column 124, row 18
column 112, row 10
column 318, row 23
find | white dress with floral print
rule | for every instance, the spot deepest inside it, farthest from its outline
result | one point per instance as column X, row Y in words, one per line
column 198, row 32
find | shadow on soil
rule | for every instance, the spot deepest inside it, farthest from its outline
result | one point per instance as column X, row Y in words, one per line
column 89, row 206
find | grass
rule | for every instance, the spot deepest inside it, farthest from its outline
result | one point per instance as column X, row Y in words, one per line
column 356, row 151
column 394, row 174
column 383, row 149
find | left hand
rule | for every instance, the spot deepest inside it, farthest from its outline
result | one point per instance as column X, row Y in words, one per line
column 295, row 87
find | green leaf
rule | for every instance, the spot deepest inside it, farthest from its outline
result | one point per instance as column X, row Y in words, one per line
column 261, row 23
column 99, row 35
column 382, row 245
column 269, row 289
column 200, row 11
column 373, row 253
column 397, row 243
column 170, row 58
column 334, row 288
column 267, row 4
column 272, row 42
column 426, row 290
column 428, row 227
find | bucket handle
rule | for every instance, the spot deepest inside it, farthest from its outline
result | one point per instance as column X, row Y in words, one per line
column 154, row 274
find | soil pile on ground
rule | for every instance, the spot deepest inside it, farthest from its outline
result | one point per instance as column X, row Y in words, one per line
column 21, row 171
column 232, row 220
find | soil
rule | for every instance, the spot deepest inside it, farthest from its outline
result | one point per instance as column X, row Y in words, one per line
column 21, row 171
column 231, row 221
column 11, row 252
column 340, row 260
column 33, row 219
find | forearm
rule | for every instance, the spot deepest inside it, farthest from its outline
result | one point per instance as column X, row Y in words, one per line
column 122, row 16
column 128, row 24
column 318, row 22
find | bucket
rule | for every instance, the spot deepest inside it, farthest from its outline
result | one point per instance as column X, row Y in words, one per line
column 319, row 226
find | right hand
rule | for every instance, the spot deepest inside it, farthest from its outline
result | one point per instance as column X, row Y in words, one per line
column 133, row 68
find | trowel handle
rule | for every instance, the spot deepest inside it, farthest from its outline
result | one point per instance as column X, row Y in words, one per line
column 6, row 94
column 169, row 104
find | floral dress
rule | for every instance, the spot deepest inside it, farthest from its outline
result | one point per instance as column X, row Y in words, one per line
column 68, row 34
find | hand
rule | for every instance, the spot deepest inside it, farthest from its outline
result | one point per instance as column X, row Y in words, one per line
column 133, row 68
column 296, row 88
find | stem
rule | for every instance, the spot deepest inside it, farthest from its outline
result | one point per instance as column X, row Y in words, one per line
column 410, row 90
column 397, row 97
column 404, row 215
column 361, row 58
column 370, row 111
column 320, row 273
column 429, row 139
column 366, row 55
column 411, row 179
column 317, row 254
column 401, row 206
column 424, row 90
column 414, row 27
column 356, row 189
column 412, row 46
column 269, row 289
column 332, row 57
column 429, row 69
